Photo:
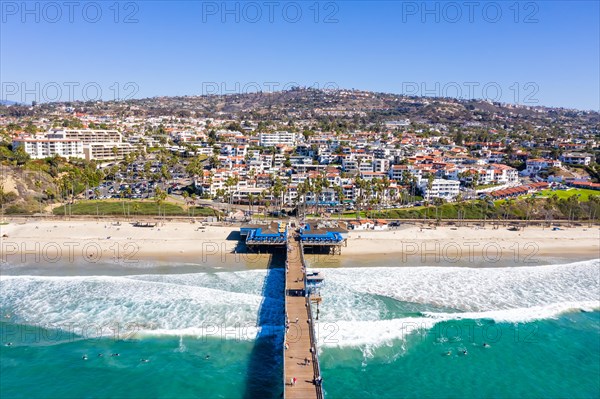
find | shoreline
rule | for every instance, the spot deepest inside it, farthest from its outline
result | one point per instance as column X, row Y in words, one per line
column 217, row 246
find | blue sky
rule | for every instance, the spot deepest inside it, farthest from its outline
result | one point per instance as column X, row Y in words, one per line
column 538, row 53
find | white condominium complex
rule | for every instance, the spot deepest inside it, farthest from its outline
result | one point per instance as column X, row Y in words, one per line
column 38, row 148
column 273, row 139
column 76, row 143
column 440, row 188
column 87, row 136
column 107, row 151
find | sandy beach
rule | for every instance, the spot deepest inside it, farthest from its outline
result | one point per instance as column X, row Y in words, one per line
column 103, row 242
column 475, row 245
column 107, row 242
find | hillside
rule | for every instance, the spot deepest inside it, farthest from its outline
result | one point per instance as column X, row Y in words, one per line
column 311, row 104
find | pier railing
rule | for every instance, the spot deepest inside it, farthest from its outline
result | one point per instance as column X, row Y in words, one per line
column 313, row 337
column 285, row 310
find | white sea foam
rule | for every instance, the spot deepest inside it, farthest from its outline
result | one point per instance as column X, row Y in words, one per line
column 357, row 293
column 357, row 311
column 139, row 303
column 375, row 333
column 361, row 306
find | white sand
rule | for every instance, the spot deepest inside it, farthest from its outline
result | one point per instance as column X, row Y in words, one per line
column 446, row 240
column 185, row 241
column 85, row 238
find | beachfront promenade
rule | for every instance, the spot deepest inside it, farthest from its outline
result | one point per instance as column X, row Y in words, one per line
column 299, row 344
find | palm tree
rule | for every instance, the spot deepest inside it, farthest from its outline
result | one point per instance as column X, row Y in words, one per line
column 186, row 196
column 193, row 199
column 229, row 183
column 360, row 185
column 460, row 209
column 159, row 197
column 530, row 201
column 594, row 201
column 483, row 204
column 301, row 197
column 136, row 208
column 438, row 202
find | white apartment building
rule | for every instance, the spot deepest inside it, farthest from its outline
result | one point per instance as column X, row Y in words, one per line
column 38, row 148
column 381, row 165
column 365, row 166
column 273, row 139
column 107, row 151
column 349, row 165
column 86, row 136
column 440, row 188
column 576, row 159
column 536, row 165
column 396, row 172
column 504, row 174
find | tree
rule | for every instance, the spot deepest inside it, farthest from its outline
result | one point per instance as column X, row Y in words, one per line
column 186, row 197
column 20, row 156
column 159, row 197
column 250, row 201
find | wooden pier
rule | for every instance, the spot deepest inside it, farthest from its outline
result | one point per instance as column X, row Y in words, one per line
column 301, row 360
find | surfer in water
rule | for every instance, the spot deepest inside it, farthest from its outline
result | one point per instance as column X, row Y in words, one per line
column 84, row 357
column 486, row 345
column 448, row 353
column 465, row 352
column 207, row 357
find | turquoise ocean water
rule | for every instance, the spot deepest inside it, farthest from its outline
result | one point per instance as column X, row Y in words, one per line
column 384, row 332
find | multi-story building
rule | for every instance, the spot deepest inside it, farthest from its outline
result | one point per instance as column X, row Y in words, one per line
column 573, row 158
column 272, row 139
column 38, row 148
column 107, row 151
column 440, row 188
column 535, row 165
column 381, row 165
column 349, row 165
column 86, row 136
column 504, row 174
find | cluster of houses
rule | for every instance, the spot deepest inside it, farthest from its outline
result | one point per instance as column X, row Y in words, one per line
column 321, row 168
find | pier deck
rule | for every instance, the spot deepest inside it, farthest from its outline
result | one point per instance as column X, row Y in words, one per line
column 299, row 337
